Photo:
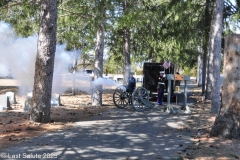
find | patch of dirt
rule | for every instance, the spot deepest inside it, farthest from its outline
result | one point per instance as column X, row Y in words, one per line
column 205, row 147
column 15, row 126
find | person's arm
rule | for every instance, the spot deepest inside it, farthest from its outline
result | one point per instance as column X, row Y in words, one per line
column 161, row 79
column 134, row 83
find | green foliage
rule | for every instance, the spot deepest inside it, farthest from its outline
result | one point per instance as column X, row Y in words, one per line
column 190, row 71
column 160, row 29
column 113, row 64
column 4, row 3
column 158, row 32
column 139, row 71
column 22, row 15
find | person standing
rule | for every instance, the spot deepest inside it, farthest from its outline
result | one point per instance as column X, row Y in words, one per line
column 160, row 87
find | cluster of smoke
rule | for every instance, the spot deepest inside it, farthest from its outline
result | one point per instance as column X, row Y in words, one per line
column 18, row 55
column 105, row 82
column 61, row 63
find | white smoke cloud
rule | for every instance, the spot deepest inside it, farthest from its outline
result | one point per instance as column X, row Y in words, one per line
column 104, row 82
column 18, row 55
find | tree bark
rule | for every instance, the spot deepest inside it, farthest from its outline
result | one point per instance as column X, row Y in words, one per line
column 42, row 89
column 209, row 75
column 205, row 45
column 228, row 119
column 209, row 62
column 126, row 47
column 98, row 70
column 126, row 53
column 215, row 55
column 75, row 57
column 199, row 71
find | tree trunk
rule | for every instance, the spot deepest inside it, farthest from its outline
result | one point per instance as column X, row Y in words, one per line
column 75, row 57
column 73, row 83
column 216, row 51
column 205, row 46
column 209, row 67
column 126, row 48
column 98, row 70
column 228, row 119
column 209, row 74
column 126, row 53
column 42, row 89
column 199, row 71
column 214, row 35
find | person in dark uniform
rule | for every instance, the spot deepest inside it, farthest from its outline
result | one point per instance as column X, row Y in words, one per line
column 131, row 85
column 160, row 87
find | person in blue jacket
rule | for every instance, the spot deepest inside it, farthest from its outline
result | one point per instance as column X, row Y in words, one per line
column 131, row 85
column 160, row 87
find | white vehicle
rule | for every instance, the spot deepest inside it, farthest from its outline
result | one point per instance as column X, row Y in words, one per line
column 89, row 72
column 119, row 78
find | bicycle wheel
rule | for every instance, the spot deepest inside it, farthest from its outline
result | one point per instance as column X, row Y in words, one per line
column 120, row 97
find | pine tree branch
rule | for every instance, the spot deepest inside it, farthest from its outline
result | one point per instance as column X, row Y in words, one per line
column 76, row 13
column 10, row 6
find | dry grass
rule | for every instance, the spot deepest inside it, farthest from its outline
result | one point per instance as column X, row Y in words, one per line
column 16, row 127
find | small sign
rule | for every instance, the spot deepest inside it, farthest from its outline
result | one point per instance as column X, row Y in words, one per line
column 179, row 77
column 177, row 89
